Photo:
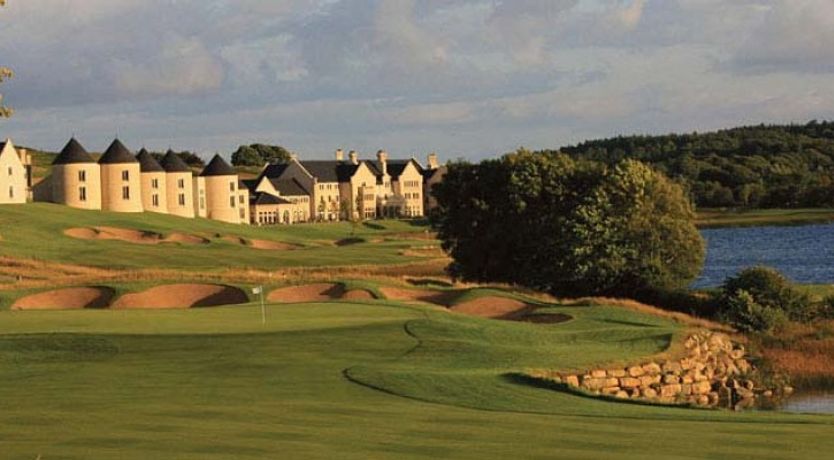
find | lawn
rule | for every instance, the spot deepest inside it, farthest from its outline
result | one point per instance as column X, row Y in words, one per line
column 348, row 380
column 37, row 231
column 716, row 218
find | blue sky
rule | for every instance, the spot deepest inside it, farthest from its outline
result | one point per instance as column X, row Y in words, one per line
column 465, row 78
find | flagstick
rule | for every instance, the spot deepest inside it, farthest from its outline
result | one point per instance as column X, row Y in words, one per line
column 263, row 308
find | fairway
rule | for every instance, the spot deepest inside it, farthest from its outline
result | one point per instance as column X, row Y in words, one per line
column 375, row 379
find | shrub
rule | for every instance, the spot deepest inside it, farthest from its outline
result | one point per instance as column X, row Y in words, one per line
column 768, row 289
column 825, row 310
column 743, row 312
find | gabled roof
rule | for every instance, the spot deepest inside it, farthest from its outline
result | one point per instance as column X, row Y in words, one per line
column 289, row 187
column 218, row 167
column 250, row 184
column 73, row 153
column 274, row 171
column 263, row 198
column 117, row 153
column 395, row 167
column 172, row 163
column 330, row 171
column 147, row 163
column 430, row 173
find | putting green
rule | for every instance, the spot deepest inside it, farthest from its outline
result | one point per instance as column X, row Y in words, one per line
column 348, row 380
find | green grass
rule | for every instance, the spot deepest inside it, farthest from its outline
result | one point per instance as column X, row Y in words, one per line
column 348, row 380
column 717, row 218
column 36, row 231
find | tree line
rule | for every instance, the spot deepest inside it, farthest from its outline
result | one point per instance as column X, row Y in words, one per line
column 765, row 166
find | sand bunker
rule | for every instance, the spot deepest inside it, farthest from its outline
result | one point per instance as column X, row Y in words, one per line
column 132, row 236
column 182, row 296
column 260, row 244
column 444, row 298
column 506, row 309
column 358, row 294
column 66, row 299
column 308, row 293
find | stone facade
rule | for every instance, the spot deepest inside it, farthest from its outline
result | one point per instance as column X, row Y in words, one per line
column 714, row 372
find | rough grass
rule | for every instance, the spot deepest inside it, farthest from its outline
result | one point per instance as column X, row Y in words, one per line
column 716, row 218
column 36, row 231
column 369, row 380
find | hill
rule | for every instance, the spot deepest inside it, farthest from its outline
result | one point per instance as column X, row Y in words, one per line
column 765, row 166
column 216, row 383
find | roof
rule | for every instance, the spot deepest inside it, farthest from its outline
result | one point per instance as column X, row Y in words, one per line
column 117, row 153
column 147, row 163
column 274, row 171
column 330, row 171
column 263, row 198
column 430, row 173
column 250, row 184
column 395, row 167
column 172, row 163
column 218, row 167
column 289, row 187
column 73, row 153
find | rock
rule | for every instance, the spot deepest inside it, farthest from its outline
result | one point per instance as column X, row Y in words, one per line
column 611, row 391
column 671, row 379
column 619, row 373
column 671, row 367
column 649, row 380
column 686, row 389
column 703, row 400
column 787, row 390
column 649, row 393
column 598, row 373
column 737, row 354
column 651, row 368
column 572, row 380
column 621, row 395
column 768, row 394
column 593, row 384
column 636, row 371
column 629, row 382
column 701, row 388
column 667, row 391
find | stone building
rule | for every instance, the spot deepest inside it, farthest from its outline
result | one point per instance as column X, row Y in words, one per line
column 179, row 183
column 75, row 180
column 221, row 195
column 153, row 183
column 432, row 174
column 15, row 174
column 121, row 186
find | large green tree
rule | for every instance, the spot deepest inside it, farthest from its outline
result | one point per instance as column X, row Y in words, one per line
column 258, row 154
column 5, row 73
column 567, row 226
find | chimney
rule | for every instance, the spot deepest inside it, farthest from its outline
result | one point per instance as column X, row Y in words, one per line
column 382, row 156
column 340, row 155
column 293, row 156
column 431, row 161
column 354, row 158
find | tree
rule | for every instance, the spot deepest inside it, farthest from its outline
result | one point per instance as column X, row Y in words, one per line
column 258, row 154
column 5, row 74
column 569, row 227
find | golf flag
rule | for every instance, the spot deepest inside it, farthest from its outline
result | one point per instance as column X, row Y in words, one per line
column 257, row 290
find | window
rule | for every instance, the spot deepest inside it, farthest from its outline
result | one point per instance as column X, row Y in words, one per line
column 202, row 203
column 232, row 186
column 155, row 201
column 155, row 183
column 181, row 183
column 125, row 193
column 241, row 199
column 125, row 175
column 242, row 213
column 10, row 170
column 232, row 201
column 11, row 192
column 82, row 176
column 82, row 194
column 181, row 199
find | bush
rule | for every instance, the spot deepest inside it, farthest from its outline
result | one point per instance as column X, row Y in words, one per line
column 770, row 291
column 743, row 312
column 825, row 310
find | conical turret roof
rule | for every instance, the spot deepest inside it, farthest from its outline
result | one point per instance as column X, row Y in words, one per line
column 73, row 153
column 172, row 163
column 117, row 153
column 147, row 163
column 218, row 167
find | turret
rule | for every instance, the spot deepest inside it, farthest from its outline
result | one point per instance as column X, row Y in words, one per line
column 76, row 178
column 121, row 189
column 153, row 180
column 224, row 200
column 179, row 182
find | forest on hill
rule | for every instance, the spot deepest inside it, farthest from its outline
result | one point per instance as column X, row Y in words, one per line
column 765, row 166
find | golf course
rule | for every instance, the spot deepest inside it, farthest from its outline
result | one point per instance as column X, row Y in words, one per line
column 357, row 351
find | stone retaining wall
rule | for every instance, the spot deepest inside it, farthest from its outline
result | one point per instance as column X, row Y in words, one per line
column 714, row 373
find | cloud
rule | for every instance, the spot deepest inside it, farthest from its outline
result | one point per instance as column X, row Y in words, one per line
column 183, row 67
column 795, row 36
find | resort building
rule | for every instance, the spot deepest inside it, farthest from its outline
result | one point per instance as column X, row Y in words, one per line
column 15, row 174
column 221, row 194
column 121, row 187
column 179, row 184
column 432, row 174
column 153, row 183
column 75, row 180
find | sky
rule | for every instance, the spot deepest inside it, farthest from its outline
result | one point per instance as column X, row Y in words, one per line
column 465, row 78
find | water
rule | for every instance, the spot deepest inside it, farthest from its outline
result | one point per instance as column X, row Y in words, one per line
column 804, row 254
column 810, row 403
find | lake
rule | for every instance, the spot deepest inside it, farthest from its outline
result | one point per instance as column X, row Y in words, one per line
column 803, row 253
column 810, row 403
